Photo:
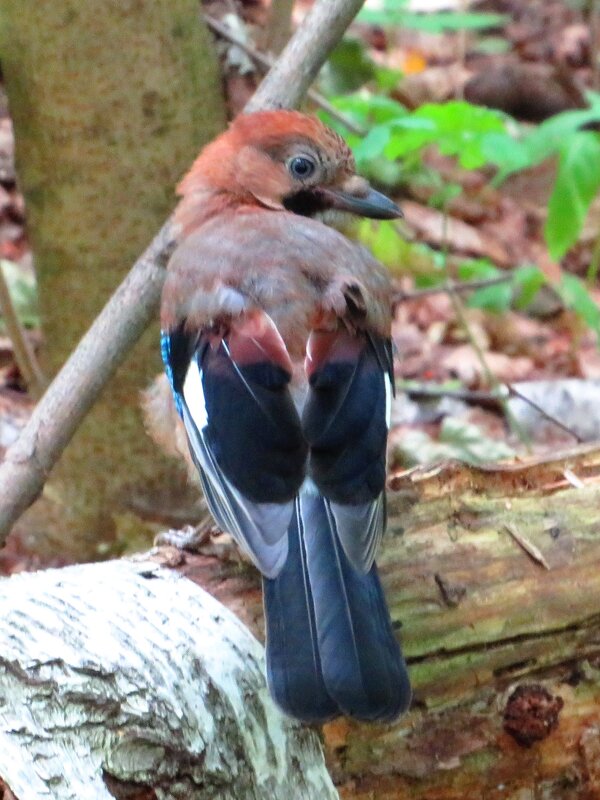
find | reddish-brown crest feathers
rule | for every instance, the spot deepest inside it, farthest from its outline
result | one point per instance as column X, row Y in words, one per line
column 214, row 169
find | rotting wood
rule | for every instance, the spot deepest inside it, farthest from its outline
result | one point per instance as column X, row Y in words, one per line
column 511, row 622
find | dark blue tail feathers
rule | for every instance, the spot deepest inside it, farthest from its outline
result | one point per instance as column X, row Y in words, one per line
column 294, row 669
column 330, row 645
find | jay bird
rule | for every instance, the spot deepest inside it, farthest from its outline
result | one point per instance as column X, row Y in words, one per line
column 276, row 343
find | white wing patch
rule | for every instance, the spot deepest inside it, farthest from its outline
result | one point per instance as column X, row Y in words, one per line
column 259, row 528
column 193, row 394
column 389, row 393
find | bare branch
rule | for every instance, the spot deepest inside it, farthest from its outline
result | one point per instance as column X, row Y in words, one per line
column 448, row 287
column 304, row 54
column 265, row 62
column 133, row 305
column 493, row 400
column 550, row 417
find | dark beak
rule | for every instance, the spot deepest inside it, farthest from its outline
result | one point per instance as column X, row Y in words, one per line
column 372, row 204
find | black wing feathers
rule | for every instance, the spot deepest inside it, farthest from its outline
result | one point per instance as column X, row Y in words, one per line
column 253, row 428
column 330, row 644
column 344, row 419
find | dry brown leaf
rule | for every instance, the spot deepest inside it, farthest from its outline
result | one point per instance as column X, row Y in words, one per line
column 516, row 334
column 463, row 363
column 432, row 85
column 444, row 231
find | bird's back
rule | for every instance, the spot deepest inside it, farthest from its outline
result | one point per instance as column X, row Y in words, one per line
column 284, row 263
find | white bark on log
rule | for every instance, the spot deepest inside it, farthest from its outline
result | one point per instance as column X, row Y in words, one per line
column 125, row 673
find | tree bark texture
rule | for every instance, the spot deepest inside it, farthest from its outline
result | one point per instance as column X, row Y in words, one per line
column 493, row 581
column 111, row 101
column 125, row 680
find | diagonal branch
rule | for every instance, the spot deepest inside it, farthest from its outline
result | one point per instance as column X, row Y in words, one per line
column 133, row 305
column 265, row 62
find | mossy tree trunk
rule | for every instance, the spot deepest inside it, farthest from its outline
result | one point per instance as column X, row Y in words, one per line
column 111, row 100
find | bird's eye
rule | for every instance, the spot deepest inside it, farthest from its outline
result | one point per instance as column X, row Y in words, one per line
column 301, row 167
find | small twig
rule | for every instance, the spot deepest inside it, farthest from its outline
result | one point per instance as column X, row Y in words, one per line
column 459, row 310
column 594, row 265
column 516, row 393
column 532, row 551
column 493, row 400
column 490, row 377
column 450, row 286
column 23, row 352
column 490, row 400
column 462, row 40
column 573, row 479
column 265, row 62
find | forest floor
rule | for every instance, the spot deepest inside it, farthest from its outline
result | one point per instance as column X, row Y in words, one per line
column 453, row 356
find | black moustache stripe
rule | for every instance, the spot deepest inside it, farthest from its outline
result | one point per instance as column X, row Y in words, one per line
column 306, row 203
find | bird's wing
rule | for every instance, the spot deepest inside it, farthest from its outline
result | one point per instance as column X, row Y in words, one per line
column 345, row 420
column 245, row 435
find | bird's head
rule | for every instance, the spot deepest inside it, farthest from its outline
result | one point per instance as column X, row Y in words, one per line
column 281, row 160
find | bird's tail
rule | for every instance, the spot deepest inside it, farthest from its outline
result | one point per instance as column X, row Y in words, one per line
column 330, row 645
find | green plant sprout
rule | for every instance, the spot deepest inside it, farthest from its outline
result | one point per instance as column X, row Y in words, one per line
column 397, row 139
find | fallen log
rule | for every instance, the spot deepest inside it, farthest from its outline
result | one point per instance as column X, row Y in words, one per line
column 493, row 580
column 124, row 680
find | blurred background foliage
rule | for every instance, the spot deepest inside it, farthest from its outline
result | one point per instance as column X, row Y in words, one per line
column 396, row 139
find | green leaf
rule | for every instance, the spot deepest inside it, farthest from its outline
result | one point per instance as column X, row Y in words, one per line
column 398, row 255
column 528, row 281
column 443, row 21
column 512, row 154
column 374, row 144
column 387, row 78
column 394, row 14
column 477, row 269
column 383, row 241
column 492, row 45
column 576, row 296
column 23, row 293
column 551, row 136
column 577, row 183
column 456, row 128
column 505, row 152
column 444, row 194
column 364, row 108
column 496, row 298
column 347, row 68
